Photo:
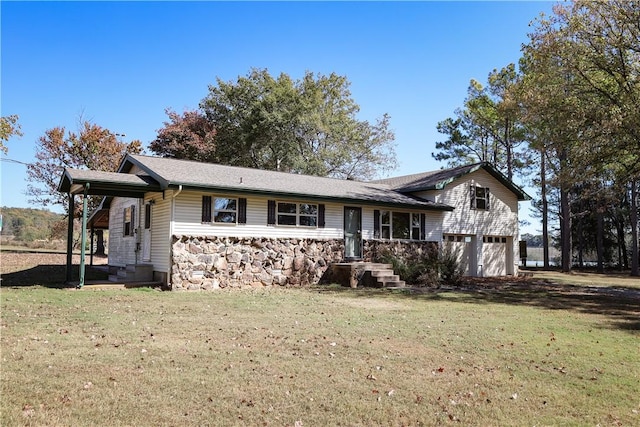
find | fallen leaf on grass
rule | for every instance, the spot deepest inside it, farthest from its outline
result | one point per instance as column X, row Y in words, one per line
column 28, row 411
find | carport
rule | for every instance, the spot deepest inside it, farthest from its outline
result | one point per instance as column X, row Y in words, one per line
column 96, row 183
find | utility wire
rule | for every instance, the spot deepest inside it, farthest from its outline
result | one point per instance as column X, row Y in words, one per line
column 4, row 159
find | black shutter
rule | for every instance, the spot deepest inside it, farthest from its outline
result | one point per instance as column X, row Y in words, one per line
column 125, row 230
column 147, row 216
column 376, row 224
column 473, row 197
column 486, row 193
column 206, row 208
column 242, row 211
column 423, row 227
column 133, row 220
column 321, row 216
column 271, row 212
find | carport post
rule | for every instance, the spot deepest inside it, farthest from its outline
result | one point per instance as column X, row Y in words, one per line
column 91, row 246
column 83, row 240
column 70, row 239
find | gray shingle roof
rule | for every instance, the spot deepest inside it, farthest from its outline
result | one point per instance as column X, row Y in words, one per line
column 172, row 172
column 106, row 183
column 437, row 180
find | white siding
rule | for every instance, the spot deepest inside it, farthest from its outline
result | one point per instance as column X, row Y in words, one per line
column 122, row 249
column 500, row 220
column 188, row 220
column 188, row 215
column 160, row 234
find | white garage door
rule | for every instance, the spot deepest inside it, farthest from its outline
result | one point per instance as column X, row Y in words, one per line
column 462, row 247
column 494, row 256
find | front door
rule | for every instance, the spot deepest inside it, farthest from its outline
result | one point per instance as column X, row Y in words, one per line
column 352, row 233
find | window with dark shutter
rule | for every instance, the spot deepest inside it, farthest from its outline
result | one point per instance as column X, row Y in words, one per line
column 423, row 227
column 206, row 209
column 271, row 212
column 376, row 224
column 242, row 211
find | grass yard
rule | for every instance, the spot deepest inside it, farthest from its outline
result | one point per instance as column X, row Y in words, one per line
column 511, row 355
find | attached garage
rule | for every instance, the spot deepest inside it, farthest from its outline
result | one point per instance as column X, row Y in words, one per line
column 497, row 256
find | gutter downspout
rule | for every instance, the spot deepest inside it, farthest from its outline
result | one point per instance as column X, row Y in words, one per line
column 173, row 206
column 83, row 240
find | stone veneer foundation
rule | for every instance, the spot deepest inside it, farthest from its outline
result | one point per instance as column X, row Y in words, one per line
column 209, row 262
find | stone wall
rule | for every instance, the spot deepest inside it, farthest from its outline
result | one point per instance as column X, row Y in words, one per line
column 219, row 262
column 208, row 262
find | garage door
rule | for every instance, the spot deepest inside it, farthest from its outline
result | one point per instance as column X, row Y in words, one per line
column 494, row 256
column 461, row 246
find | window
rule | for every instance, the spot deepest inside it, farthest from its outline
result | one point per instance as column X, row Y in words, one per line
column 399, row 225
column 224, row 210
column 459, row 238
column 129, row 220
column 494, row 239
column 297, row 214
column 479, row 198
column 415, row 226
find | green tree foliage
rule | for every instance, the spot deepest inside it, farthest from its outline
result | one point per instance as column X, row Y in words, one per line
column 307, row 126
column 580, row 100
column 92, row 147
column 29, row 224
column 9, row 127
column 487, row 128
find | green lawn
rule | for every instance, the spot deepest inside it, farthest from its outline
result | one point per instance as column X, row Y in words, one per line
column 320, row 356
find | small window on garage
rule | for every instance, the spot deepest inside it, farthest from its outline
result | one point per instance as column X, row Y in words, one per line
column 480, row 198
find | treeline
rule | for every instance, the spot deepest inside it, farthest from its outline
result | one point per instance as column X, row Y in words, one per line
column 28, row 225
column 566, row 120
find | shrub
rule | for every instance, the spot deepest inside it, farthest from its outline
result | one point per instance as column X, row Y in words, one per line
column 429, row 270
column 451, row 270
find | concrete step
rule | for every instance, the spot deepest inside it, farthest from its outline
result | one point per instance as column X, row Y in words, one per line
column 132, row 273
column 382, row 273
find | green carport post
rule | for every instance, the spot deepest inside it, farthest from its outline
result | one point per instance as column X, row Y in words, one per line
column 83, row 240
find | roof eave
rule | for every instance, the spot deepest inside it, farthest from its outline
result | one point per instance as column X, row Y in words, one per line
column 314, row 197
column 440, row 185
column 129, row 161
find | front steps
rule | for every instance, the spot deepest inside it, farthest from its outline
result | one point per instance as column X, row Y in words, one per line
column 131, row 273
column 368, row 274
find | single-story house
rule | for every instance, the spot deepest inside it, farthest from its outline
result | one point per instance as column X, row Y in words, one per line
column 196, row 225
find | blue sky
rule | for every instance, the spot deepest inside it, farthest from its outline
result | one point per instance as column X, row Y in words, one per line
column 121, row 64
